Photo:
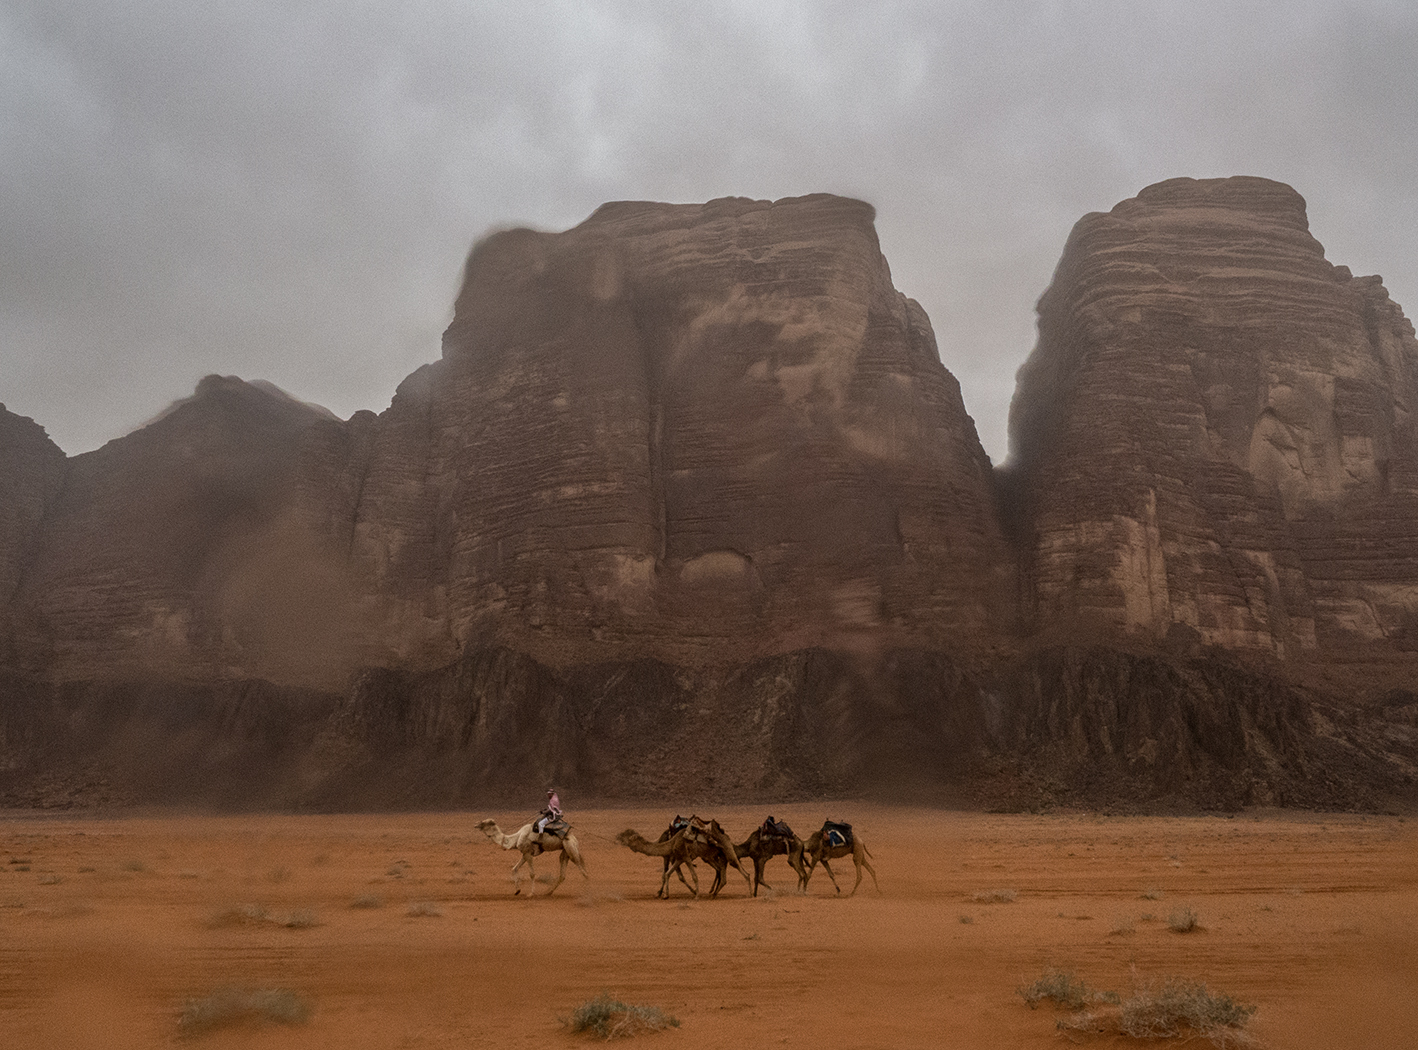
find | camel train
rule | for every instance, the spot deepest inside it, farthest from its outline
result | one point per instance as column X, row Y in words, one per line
column 690, row 839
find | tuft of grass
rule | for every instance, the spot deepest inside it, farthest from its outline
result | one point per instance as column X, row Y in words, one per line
column 133, row 864
column 994, row 896
column 1059, row 985
column 1179, row 1008
column 1183, row 920
column 1122, row 927
column 424, row 910
column 367, row 900
column 227, row 1007
column 1152, row 893
column 303, row 919
column 610, row 1018
column 966, row 920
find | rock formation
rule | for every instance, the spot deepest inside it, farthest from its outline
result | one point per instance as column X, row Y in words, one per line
column 690, row 506
column 704, row 433
column 1216, row 432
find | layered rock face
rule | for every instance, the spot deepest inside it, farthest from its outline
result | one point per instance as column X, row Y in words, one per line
column 703, row 433
column 690, row 507
column 1216, row 432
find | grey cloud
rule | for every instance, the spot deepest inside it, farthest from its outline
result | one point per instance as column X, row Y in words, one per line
column 286, row 190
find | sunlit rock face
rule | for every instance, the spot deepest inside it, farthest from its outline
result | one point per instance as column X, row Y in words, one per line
column 694, row 432
column 1216, row 430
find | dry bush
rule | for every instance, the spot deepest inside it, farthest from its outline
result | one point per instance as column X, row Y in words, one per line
column 1059, row 985
column 1182, row 1008
column 1178, row 1009
column 994, row 896
column 1122, row 926
column 610, row 1018
column 1152, row 893
column 367, row 900
column 424, row 910
column 235, row 1006
column 1183, row 920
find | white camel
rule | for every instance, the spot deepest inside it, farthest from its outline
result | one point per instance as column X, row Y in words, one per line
column 529, row 843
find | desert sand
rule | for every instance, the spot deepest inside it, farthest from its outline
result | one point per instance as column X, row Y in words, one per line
column 108, row 925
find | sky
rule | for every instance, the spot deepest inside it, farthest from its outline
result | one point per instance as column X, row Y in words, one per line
column 287, row 190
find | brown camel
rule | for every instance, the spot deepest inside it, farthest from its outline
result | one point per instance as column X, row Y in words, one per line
column 816, row 852
column 529, row 843
column 675, row 851
column 682, row 845
column 760, row 847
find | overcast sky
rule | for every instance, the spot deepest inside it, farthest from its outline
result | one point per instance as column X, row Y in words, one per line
column 287, row 191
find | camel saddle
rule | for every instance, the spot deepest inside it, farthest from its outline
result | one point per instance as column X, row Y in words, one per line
column 696, row 827
column 557, row 827
column 836, row 833
column 776, row 829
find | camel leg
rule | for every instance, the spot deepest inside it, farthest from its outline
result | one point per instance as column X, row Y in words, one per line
column 574, row 852
column 561, row 873
column 828, row 868
column 860, row 856
column 795, row 861
column 526, row 859
column 758, row 864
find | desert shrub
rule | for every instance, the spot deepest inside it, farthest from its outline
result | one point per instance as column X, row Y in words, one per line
column 1179, row 1007
column 233, row 1006
column 610, row 1018
column 994, row 896
column 1183, row 920
column 367, row 900
column 241, row 915
column 1059, row 985
column 1122, row 926
column 967, row 919
column 300, row 920
column 424, row 910
column 1152, row 893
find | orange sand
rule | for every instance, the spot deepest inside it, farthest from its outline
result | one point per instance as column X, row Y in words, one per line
column 106, row 927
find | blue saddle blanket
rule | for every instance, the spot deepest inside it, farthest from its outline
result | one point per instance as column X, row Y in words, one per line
column 836, row 833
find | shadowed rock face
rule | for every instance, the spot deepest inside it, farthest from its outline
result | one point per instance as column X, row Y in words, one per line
column 31, row 471
column 1215, row 433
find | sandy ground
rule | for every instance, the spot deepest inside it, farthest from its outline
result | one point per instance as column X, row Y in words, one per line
column 108, row 925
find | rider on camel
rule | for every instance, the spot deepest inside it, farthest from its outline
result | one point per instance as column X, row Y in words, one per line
column 551, row 813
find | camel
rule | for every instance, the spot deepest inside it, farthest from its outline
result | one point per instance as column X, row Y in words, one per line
column 760, row 847
column 530, row 843
column 697, row 840
column 815, row 851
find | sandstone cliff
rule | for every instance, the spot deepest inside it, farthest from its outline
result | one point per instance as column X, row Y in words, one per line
column 703, row 433
column 1216, row 433
column 689, row 507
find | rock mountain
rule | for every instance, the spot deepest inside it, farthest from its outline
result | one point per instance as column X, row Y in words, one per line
column 689, row 508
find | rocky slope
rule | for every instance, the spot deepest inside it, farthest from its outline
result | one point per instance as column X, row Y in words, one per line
column 689, row 507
